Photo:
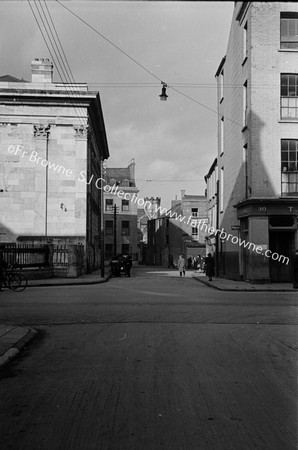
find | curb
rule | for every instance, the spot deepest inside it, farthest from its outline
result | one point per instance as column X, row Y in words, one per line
column 17, row 347
column 207, row 283
column 70, row 283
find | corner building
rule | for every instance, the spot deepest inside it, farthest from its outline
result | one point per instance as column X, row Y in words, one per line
column 257, row 194
column 52, row 143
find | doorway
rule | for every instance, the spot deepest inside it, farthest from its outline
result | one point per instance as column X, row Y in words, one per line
column 281, row 242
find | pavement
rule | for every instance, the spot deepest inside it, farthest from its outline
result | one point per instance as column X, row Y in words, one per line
column 90, row 278
column 13, row 338
column 223, row 284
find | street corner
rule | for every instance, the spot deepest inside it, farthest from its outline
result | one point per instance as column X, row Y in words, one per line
column 12, row 342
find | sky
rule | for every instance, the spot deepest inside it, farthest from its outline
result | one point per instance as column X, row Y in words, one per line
column 182, row 43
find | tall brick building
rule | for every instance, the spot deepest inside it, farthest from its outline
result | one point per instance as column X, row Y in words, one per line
column 52, row 142
column 258, row 141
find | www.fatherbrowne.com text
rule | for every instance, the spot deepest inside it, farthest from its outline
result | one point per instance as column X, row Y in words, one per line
column 100, row 183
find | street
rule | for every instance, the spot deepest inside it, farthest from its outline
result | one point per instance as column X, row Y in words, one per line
column 151, row 362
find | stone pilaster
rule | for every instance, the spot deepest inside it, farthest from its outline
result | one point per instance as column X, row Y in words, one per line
column 41, row 134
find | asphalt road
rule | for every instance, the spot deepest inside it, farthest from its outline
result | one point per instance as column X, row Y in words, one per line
column 151, row 362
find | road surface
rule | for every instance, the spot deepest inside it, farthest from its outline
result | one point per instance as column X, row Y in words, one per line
column 151, row 362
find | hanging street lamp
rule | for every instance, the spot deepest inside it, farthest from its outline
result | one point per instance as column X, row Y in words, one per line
column 163, row 96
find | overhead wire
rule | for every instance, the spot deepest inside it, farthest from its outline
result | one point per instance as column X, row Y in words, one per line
column 52, row 50
column 145, row 68
column 68, row 82
column 66, row 66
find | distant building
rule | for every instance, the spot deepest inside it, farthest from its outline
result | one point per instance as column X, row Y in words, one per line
column 179, row 231
column 121, row 211
column 52, row 141
column 258, row 142
column 211, row 180
column 150, row 211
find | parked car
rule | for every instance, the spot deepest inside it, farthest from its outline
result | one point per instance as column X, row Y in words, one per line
column 121, row 265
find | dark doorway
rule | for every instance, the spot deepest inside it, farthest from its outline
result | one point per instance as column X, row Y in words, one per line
column 282, row 243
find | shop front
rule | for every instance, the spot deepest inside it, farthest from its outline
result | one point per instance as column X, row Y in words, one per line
column 271, row 225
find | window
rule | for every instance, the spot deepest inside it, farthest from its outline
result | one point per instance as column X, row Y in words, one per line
column 125, row 183
column 289, row 96
column 109, row 204
column 109, row 227
column 125, row 205
column 244, row 42
column 194, row 231
column 125, row 228
column 222, row 135
column 245, row 104
column 109, row 251
column 125, row 249
column 221, row 81
column 289, row 167
column 221, row 193
column 194, row 212
column 245, row 169
column 289, row 30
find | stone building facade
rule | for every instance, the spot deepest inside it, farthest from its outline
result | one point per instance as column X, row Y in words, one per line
column 258, row 142
column 52, row 143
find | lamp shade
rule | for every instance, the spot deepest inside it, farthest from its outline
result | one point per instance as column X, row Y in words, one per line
column 163, row 96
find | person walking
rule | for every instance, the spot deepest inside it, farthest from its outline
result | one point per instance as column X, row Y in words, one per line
column 181, row 265
column 209, row 264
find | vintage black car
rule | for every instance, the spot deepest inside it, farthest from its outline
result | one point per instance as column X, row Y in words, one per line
column 121, row 265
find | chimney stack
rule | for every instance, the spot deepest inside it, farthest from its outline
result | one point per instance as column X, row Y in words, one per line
column 182, row 193
column 42, row 70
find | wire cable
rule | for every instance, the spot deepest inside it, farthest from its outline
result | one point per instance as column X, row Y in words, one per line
column 110, row 42
column 145, row 68
column 49, row 49
column 70, row 78
column 81, row 115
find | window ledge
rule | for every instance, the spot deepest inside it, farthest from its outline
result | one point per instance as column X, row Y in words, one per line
column 288, row 121
column 295, row 50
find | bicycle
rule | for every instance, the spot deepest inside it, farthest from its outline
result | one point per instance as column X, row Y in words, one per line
column 13, row 278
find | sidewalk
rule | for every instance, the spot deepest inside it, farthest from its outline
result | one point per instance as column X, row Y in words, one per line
column 12, row 341
column 224, row 284
column 91, row 278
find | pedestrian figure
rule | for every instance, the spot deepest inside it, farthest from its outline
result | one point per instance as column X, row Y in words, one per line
column 209, row 264
column 189, row 263
column 195, row 262
column 171, row 261
column 181, row 265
